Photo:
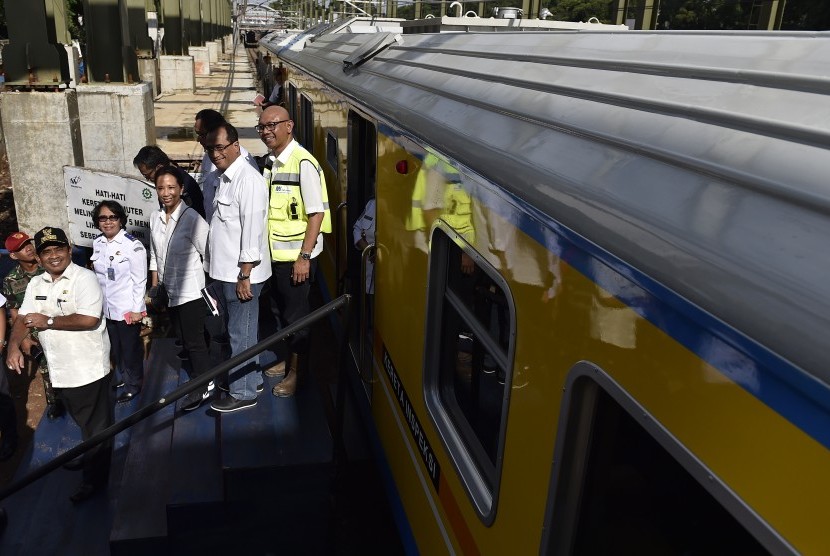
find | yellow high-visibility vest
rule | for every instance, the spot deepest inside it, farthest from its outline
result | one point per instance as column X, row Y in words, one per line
column 287, row 219
column 457, row 209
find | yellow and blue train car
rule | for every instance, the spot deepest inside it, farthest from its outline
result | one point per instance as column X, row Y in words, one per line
column 600, row 282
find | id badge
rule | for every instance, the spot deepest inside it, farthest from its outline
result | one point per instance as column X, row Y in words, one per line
column 111, row 273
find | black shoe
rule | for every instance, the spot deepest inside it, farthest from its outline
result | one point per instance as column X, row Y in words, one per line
column 84, row 492
column 229, row 403
column 193, row 400
column 55, row 410
column 8, row 447
column 119, row 384
column 260, row 387
column 177, row 343
column 223, row 387
column 124, row 397
column 183, row 355
column 74, row 464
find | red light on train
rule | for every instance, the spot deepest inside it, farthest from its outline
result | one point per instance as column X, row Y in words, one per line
column 402, row 167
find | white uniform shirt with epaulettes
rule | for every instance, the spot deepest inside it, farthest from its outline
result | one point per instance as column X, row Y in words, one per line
column 121, row 268
column 76, row 357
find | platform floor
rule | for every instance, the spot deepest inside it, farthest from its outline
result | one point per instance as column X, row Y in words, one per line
column 230, row 89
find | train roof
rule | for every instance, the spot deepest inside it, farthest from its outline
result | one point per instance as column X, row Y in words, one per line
column 700, row 157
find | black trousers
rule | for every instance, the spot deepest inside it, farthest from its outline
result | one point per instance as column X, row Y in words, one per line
column 290, row 301
column 91, row 406
column 128, row 352
column 8, row 415
column 189, row 325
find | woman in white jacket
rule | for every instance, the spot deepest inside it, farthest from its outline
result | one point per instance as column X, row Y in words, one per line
column 179, row 236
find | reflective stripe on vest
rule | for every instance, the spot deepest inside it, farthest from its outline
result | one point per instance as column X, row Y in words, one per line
column 287, row 218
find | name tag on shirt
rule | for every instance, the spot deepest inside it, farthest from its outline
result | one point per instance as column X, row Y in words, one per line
column 284, row 189
column 111, row 274
column 40, row 298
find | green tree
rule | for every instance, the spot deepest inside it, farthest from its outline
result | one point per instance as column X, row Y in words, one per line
column 705, row 14
column 581, row 10
column 806, row 15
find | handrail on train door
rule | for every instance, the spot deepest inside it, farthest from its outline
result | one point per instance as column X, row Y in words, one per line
column 364, row 312
column 344, row 301
column 340, row 277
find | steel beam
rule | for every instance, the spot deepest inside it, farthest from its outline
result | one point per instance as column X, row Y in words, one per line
column 35, row 54
column 110, row 55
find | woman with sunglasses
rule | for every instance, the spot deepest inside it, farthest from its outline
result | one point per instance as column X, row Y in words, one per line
column 120, row 263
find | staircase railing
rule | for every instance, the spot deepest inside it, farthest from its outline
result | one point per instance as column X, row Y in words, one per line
column 201, row 381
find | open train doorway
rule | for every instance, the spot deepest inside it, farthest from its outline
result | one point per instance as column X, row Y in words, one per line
column 360, row 237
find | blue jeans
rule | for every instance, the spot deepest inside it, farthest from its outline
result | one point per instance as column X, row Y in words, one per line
column 242, row 322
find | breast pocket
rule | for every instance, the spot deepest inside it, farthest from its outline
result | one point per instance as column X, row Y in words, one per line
column 224, row 209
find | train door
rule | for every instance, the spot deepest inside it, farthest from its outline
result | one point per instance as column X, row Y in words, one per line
column 360, row 234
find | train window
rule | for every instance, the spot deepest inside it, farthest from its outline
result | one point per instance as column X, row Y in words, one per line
column 331, row 151
column 292, row 102
column 467, row 367
column 306, row 125
column 617, row 489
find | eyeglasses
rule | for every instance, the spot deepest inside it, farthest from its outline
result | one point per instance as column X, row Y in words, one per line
column 219, row 149
column 270, row 126
column 104, row 218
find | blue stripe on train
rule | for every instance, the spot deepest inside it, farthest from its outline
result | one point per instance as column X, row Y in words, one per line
column 796, row 395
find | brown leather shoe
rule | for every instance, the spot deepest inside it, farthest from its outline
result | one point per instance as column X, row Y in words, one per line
column 287, row 387
column 275, row 370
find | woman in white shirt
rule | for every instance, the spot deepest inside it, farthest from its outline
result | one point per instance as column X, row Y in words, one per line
column 120, row 264
column 179, row 235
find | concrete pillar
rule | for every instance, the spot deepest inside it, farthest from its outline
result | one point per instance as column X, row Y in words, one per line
column 148, row 71
column 213, row 51
column 43, row 134
column 116, row 121
column 201, row 60
column 35, row 53
column 109, row 55
column 176, row 73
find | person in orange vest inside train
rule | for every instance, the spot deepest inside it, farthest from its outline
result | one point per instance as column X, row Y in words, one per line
column 298, row 215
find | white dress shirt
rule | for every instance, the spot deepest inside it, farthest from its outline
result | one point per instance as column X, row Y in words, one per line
column 210, row 179
column 120, row 265
column 238, row 227
column 179, row 261
column 76, row 357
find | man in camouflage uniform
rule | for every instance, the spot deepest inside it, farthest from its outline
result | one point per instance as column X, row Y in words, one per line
column 22, row 250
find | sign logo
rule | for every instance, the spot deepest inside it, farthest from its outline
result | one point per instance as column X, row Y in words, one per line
column 146, row 193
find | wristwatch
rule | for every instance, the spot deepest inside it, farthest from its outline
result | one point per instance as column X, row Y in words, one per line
column 305, row 256
column 243, row 276
column 50, row 321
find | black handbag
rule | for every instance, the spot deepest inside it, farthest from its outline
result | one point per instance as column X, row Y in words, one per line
column 158, row 297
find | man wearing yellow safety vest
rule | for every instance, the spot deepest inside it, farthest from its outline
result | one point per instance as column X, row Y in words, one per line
column 298, row 213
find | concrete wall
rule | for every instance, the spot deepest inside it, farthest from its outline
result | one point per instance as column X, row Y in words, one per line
column 43, row 134
column 148, row 71
column 116, row 121
column 201, row 60
column 176, row 73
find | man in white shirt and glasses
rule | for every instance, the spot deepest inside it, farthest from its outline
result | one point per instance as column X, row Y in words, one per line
column 237, row 256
